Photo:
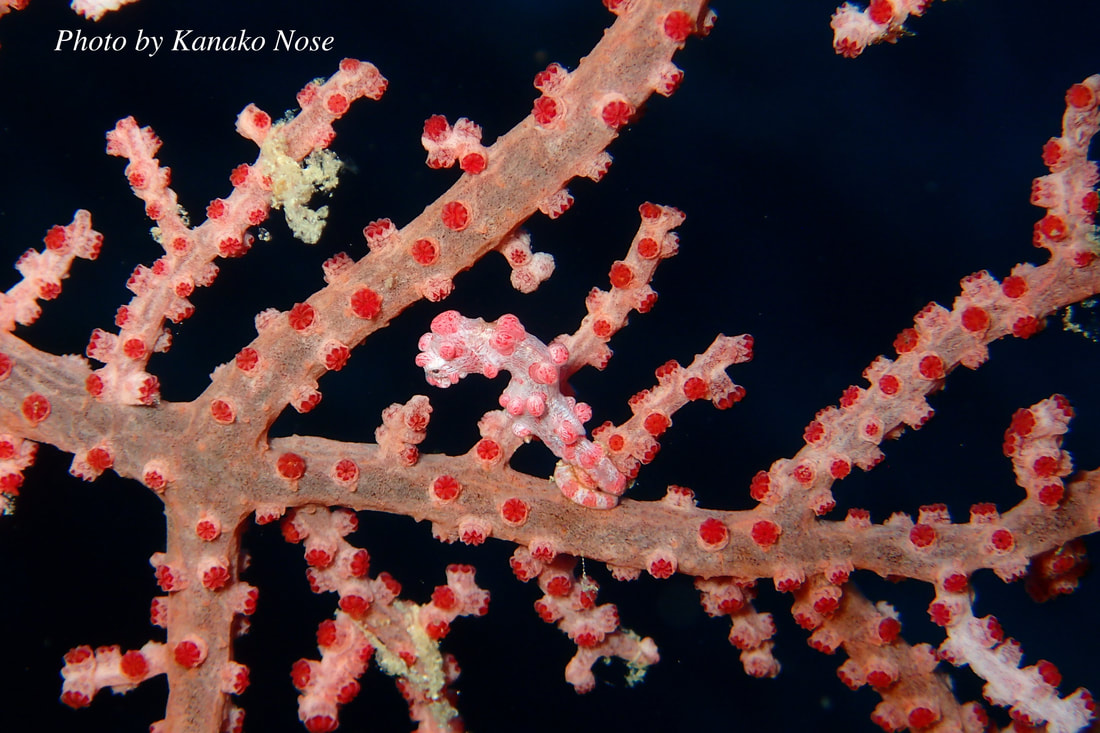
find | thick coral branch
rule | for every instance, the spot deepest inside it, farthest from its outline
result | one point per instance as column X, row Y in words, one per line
column 542, row 153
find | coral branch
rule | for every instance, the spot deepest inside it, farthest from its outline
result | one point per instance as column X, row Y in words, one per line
column 43, row 271
column 217, row 456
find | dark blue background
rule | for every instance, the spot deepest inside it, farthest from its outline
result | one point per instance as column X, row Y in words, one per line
column 827, row 200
